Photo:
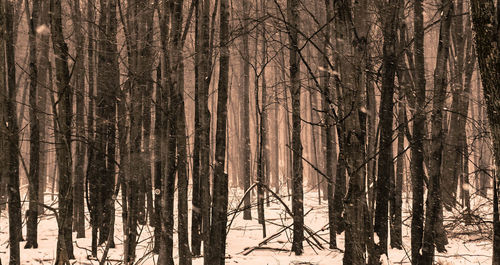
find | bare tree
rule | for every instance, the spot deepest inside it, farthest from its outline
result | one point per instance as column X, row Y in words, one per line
column 417, row 146
column 433, row 218
column 389, row 17
column 34, row 173
column 79, row 85
column 11, row 130
column 485, row 22
column 63, row 116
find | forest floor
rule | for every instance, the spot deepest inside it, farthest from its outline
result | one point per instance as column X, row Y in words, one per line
column 468, row 244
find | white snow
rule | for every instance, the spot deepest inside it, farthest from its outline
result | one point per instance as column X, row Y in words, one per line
column 462, row 249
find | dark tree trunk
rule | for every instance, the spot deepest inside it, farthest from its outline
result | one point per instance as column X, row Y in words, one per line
column 397, row 182
column 417, row 145
column 486, row 21
column 196, row 218
column 205, row 72
column 12, row 135
column 183, row 179
column 4, row 144
column 260, row 118
column 328, row 131
column 91, row 171
column 43, row 91
column 297, row 179
column 79, row 85
column 102, row 182
column 433, row 219
column 34, row 173
column 455, row 140
column 356, row 214
column 63, row 115
column 245, row 112
column 217, row 253
column 385, row 157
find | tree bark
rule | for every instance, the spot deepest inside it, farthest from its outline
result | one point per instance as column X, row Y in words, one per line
column 486, row 26
column 63, row 113
column 79, row 85
column 385, row 157
column 245, row 111
column 297, row 178
column 417, row 146
column 433, row 219
column 12, row 133
column 217, row 253
column 34, row 173
column 397, row 182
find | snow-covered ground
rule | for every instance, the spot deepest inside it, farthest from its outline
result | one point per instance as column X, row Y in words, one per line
column 463, row 248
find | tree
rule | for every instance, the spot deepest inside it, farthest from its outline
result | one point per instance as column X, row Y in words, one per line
column 352, row 33
column 245, row 111
column 217, row 243
column 101, row 177
column 34, row 173
column 390, row 13
column 205, row 71
column 63, row 113
column 79, row 85
column 297, row 179
column 12, row 134
column 417, row 146
column 433, row 218
column 485, row 25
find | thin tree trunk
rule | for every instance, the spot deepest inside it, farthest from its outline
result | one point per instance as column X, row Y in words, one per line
column 204, row 75
column 385, row 156
column 12, row 133
column 245, row 111
column 487, row 38
column 417, row 146
column 91, row 153
column 433, row 221
column 196, row 220
column 79, row 85
column 452, row 167
column 183, row 179
column 397, row 186
column 356, row 210
column 63, row 135
column 217, row 253
column 34, row 173
column 43, row 66
column 297, row 178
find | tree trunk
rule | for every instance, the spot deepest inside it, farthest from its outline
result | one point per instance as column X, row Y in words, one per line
column 196, row 220
column 433, row 222
column 12, row 133
column 103, row 182
column 43, row 64
column 245, row 111
column 385, row 157
column 183, row 179
column 417, row 145
column 34, row 173
column 487, row 39
column 452, row 168
column 217, row 253
column 354, row 127
column 63, row 114
column 91, row 152
column 79, row 85
column 397, row 182
column 297, row 179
